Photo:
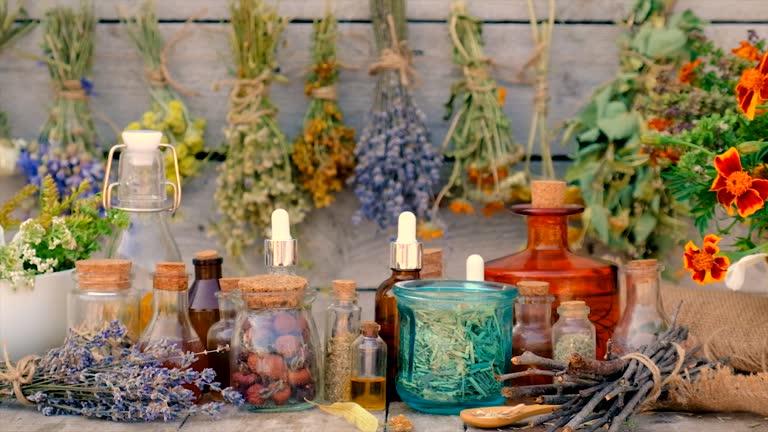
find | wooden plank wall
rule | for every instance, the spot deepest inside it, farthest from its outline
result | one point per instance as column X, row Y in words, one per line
column 583, row 56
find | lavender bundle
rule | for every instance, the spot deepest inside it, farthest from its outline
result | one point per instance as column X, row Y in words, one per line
column 257, row 176
column 103, row 377
column 66, row 147
column 398, row 167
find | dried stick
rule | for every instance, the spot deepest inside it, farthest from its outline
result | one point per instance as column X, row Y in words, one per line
column 527, row 373
column 530, row 359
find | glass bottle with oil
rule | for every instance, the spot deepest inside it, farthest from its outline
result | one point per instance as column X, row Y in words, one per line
column 369, row 368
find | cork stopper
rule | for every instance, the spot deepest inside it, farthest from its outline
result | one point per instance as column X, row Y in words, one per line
column 206, row 255
column 573, row 308
column 103, row 274
column 344, row 289
column 229, row 284
column 170, row 276
column 432, row 264
column 370, row 328
column 273, row 291
column 547, row 193
column 532, row 288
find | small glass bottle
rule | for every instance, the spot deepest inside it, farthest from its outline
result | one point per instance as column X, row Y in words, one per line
column 405, row 260
column 220, row 335
column 170, row 316
column 369, row 369
column 644, row 317
column 103, row 294
column 573, row 332
column 342, row 326
column 203, row 303
column 141, row 191
column 533, row 327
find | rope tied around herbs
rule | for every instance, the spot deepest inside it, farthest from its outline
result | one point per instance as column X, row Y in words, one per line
column 397, row 58
column 22, row 373
column 245, row 98
column 653, row 368
column 72, row 90
column 325, row 93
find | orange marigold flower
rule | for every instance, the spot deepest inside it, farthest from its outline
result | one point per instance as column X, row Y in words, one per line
column 686, row 73
column 736, row 186
column 428, row 231
column 492, row 207
column 659, row 124
column 704, row 264
column 747, row 51
column 752, row 89
column 501, row 93
column 460, row 206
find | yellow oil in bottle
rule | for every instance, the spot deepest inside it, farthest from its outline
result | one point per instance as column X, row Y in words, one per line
column 370, row 392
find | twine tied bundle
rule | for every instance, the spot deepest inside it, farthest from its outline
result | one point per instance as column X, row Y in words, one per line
column 325, row 93
column 658, row 383
column 398, row 57
column 18, row 375
column 161, row 77
column 246, row 97
column 72, row 90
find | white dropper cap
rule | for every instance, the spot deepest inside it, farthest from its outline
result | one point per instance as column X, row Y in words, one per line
column 281, row 250
column 475, row 268
column 405, row 253
column 142, row 144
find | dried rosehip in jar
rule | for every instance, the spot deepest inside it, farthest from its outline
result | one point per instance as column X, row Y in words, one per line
column 272, row 366
column 285, row 322
column 287, row 345
column 255, row 394
column 281, row 394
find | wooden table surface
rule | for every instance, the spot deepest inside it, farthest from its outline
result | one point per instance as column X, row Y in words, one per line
column 15, row 418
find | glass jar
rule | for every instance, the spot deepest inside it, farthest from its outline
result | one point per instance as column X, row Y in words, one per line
column 203, row 303
column 533, row 327
column 644, row 317
column 103, row 294
column 368, row 381
column 342, row 327
column 275, row 362
column 455, row 337
column 573, row 332
column 220, row 335
column 549, row 258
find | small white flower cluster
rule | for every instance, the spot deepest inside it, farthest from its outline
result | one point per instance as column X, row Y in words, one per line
column 19, row 261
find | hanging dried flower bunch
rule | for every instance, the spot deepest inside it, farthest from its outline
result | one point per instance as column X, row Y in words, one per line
column 324, row 152
column 67, row 147
column 168, row 113
column 398, row 167
column 479, row 138
column 257, row 176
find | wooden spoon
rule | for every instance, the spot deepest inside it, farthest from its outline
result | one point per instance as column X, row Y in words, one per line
column 500, row 416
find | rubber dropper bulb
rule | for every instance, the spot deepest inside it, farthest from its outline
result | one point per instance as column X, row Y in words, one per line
column 281, row 226
column 475, row 268
column 406, row 228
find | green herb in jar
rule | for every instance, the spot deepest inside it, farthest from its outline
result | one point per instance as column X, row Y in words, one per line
column 338, row 365
column 580, row 343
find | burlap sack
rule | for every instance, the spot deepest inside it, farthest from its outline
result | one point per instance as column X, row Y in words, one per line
column 727, row 324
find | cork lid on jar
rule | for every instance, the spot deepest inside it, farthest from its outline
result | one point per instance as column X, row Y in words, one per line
column 344, row 289
column 208, row 256
column 547, row 193
column 531, row 288
column 229, row 284
column 273, row 291
column 103, row 274
column 170, row 276
column 370, row 328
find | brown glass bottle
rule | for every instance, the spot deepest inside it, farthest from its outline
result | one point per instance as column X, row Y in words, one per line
column 548, row 258
column 203, row 304
column 533, row 328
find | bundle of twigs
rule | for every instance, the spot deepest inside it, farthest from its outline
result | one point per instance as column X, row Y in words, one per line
column 595, row 394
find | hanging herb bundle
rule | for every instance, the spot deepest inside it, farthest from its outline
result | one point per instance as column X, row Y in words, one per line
column 66, row 147
column 398, row 167
column 257, row 176
column 168, row 113
column 479, row 138
column 10, row 29
column 324, row 153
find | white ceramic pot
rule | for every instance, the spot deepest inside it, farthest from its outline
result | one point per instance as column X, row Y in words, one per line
column 34, row 319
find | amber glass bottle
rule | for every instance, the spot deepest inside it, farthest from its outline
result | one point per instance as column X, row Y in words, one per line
column 548, row 258
column 203, row 304
column 533, row 327
column 405, row 260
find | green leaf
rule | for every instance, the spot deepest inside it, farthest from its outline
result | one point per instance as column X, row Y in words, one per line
column 599, row 223
column 644, row 226
column 590, row 135
column 665, row 42
column 620, row 126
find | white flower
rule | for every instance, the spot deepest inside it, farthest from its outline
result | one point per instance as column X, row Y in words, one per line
column 749, row 274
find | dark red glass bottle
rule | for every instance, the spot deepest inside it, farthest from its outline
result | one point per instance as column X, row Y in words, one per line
column 548, row 258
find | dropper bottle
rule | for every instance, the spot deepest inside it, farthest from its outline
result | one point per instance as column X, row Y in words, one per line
column 405, row 260
column 281, row 250
column 475, row 268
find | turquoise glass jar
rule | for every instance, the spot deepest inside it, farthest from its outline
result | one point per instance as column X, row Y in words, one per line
column 455, row 337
